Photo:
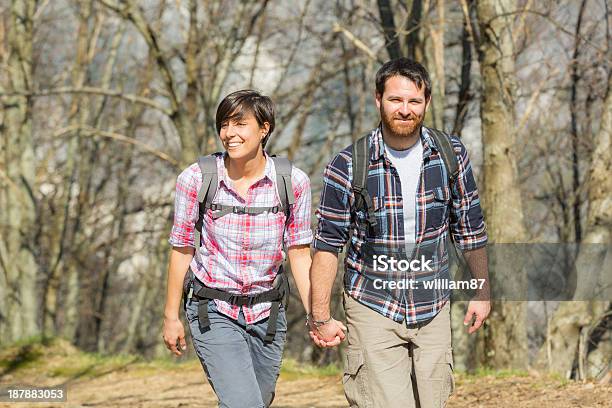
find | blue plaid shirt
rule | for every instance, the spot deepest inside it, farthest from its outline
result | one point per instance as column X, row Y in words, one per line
column 440, row 208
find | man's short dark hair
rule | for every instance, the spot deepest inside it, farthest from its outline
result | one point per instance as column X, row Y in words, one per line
column 235, row 105
column 407, row 68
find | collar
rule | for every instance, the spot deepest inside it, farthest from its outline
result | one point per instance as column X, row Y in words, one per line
column 224, row 177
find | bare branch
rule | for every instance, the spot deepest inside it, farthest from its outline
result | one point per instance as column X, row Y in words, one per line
column 557, row 25
column 4, row 178
column 532, row 100
column 356, row 41
column 95, row 91
column 88, row 131
column 134, row 14
column 468, row 22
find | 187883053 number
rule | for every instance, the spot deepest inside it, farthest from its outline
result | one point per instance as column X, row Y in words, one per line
column 26, row 393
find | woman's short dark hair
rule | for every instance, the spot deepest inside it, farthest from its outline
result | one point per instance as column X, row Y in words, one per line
column 235, row 105
column 407, row 68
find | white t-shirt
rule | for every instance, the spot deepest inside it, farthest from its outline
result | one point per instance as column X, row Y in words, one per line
column 408, row 165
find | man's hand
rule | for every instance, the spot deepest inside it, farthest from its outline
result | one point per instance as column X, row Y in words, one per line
column 328, row 335
column 479, row 308
column 173, row 333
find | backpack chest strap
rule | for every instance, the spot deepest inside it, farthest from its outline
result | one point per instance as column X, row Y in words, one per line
column 207, row 192
column 219, row 210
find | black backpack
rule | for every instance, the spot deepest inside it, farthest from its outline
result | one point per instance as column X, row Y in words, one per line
column 361, row 161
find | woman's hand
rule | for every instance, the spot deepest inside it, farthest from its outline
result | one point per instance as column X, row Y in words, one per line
column 330, row 334
column 173, row 333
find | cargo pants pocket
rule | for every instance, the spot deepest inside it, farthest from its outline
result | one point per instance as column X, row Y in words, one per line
column 448, row 382
column 436, row 387
column 355, row 379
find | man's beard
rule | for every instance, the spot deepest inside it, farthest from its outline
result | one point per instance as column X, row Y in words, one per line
column 401, row 130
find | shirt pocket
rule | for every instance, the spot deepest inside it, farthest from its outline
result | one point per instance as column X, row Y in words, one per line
column 437, row 208
column 264, row 232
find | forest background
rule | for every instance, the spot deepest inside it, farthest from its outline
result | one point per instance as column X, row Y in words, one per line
column 104, row 102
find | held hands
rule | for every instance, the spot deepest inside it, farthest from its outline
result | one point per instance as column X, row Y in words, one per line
column 174, row 335
column 478, row 308
column 330, row 334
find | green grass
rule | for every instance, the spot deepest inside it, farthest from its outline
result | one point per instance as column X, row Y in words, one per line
column 23, row 354
column 91, row 365
column 33, row 340
column 562, row 380
column 55, row 357
column 291, row 370
column 488, row 372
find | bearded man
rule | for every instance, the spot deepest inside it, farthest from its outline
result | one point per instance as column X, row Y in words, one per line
column 401, row 186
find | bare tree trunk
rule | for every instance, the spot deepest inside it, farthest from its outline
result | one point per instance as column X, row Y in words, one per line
column 413, row 46
column 466, row 347
column 79, row 114
column 466, row 78
column 577, row 202
column 19, row 315
column 572, row 318
column 388, row 25
column 505, row 337
column 139, row 302
column 346, row 70
column 435, row 51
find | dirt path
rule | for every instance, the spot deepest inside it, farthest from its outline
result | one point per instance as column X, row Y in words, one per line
column 185, row 387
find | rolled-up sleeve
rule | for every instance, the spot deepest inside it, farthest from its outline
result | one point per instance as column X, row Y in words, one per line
column 298, row 230
column 467, row 224
column 185, row 207
column 334, row 213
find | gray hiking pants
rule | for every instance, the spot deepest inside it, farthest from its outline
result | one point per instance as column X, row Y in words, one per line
column 240, row 367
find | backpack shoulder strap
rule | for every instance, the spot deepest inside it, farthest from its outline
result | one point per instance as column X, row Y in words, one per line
column 284, row 186
column 361, row 152
column 361, row 163
column 208, row 167
column 443, row 141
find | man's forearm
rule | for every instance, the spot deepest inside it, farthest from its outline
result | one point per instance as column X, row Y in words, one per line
column 477, row 262
column 322, row 276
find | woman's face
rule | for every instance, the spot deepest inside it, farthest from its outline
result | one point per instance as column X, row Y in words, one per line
column 241, row 136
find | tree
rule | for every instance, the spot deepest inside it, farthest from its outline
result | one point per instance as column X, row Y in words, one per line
column 577, row 318
column 505, row 338
column 19, row 315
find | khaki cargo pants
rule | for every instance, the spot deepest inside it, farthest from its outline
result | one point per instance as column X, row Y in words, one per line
column 388, row 364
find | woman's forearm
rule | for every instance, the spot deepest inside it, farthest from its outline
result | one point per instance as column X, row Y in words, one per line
column 180, row 258
column 300, row 260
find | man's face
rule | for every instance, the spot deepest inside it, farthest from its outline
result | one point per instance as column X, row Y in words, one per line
column 402, row 106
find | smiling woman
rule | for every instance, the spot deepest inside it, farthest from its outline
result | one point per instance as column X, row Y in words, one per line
column 245, row 120
column 249, row 102
column 235, row 212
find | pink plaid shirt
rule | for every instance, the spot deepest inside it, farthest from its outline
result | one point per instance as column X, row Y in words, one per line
column 241, row 253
